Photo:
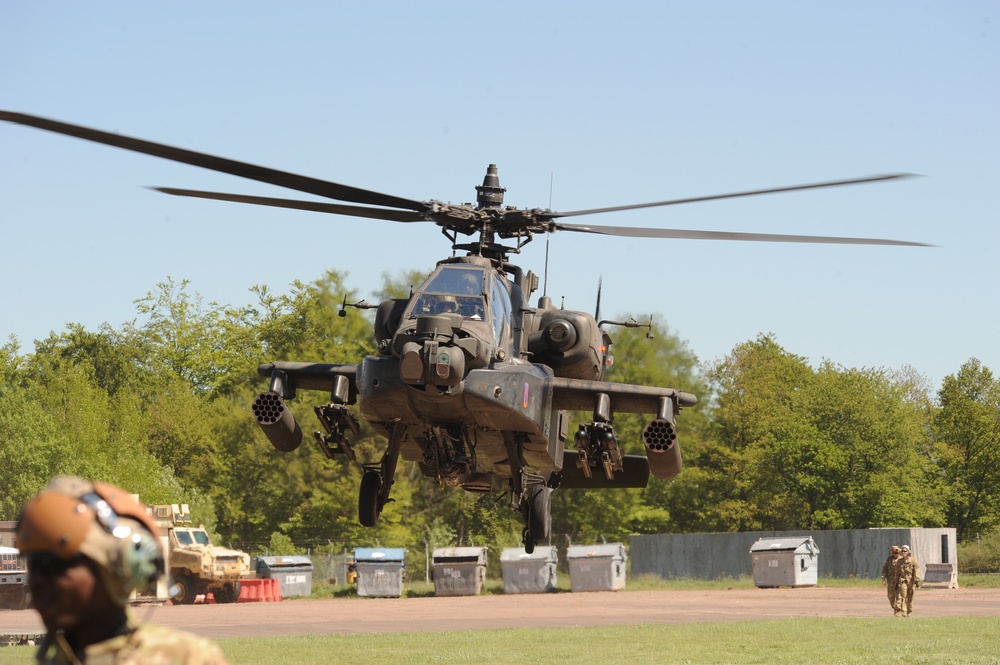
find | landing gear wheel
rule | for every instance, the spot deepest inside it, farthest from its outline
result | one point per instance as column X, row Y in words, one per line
column 186, row 590
column 229, row 593
column 537, row 517
column 368, row 497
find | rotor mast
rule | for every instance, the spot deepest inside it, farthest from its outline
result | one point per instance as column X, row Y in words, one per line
column 491, row 215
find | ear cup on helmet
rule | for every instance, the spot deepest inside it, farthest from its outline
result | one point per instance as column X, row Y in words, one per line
column 140, row 561
column 135, row 557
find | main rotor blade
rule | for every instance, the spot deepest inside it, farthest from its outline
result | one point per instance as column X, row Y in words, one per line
column 753, row 192
column 306, row 184
column 639, row 232
column 314, row 206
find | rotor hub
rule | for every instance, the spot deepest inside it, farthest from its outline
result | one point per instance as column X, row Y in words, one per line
column 490, row 193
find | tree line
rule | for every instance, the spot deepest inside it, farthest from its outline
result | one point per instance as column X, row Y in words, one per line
column 161, row 406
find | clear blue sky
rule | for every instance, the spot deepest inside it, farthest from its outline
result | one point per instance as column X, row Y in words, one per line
column 611, row 103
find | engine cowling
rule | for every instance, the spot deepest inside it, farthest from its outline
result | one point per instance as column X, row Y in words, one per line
column 569, row 342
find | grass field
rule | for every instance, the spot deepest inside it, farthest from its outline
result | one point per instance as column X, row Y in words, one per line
column 798, row 641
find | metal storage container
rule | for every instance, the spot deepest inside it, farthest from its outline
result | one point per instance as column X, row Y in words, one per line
column 294, row 573
column 528, row 573
column 459, row 571
column 380, row 571
column 596, row 567
column 785, row 562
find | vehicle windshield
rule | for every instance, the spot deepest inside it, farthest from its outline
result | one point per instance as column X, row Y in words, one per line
column 189, row 537
column 453, row 289
column 465, row 280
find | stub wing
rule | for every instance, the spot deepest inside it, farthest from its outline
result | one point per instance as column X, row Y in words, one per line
column 580, row 395
column 312, row 376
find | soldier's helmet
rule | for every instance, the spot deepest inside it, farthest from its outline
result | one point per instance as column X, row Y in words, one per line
column 73, row 517
column 447, row 304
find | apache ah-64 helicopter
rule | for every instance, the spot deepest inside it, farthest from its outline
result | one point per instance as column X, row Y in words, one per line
column 470, row 380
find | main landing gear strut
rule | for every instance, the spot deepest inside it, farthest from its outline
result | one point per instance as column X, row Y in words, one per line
column 377, row 481
column 531, row 494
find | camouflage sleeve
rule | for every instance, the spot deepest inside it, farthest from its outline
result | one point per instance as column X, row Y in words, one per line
column 154, row 644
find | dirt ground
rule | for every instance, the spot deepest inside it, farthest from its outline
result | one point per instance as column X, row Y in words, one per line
column 383, row 615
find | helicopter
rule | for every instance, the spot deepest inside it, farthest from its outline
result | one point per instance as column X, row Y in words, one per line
column 469, row 380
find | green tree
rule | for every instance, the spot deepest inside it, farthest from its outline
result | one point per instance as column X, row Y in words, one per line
column 98, row 434
column 827, row 448
column 28, row 439
column 967, row 446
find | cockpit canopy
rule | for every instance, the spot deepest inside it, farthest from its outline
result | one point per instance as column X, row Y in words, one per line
column 473, row 291
column 452, row 289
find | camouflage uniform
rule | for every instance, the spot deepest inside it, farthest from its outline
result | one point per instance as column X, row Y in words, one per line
column 906, row 581
column 908, row 603
column 890, row 572
column 145, row 645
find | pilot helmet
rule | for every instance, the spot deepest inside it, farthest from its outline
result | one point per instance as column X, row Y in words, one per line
column 73, row 517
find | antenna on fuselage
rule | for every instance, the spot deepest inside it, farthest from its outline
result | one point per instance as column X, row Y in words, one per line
column 545, row 281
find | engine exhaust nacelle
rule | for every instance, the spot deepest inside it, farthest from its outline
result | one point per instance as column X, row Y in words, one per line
column 277, row 422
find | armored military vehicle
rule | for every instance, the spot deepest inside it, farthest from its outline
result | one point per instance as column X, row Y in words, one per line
column 197, row 566
column 14, row 594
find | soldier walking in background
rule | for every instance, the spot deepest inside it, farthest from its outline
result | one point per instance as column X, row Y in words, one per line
column 88, row 546
column 911, row 569
column 889, row 575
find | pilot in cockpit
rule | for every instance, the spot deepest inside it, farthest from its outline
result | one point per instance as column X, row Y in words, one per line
column 446, row 305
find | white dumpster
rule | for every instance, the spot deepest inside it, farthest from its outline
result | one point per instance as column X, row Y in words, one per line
column 528, row 573
column 596, row 567
column 785, row 562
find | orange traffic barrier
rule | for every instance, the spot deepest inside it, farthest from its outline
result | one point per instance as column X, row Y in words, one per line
column 259, row 591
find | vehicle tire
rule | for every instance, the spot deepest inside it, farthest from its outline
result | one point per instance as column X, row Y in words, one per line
column 227, row 593
column 187, row 590
column 371, row 484
column 15, row 597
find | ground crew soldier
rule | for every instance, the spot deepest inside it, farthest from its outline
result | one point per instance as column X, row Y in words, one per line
column 889, row 575
column 912, row 569
column 88, row 546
